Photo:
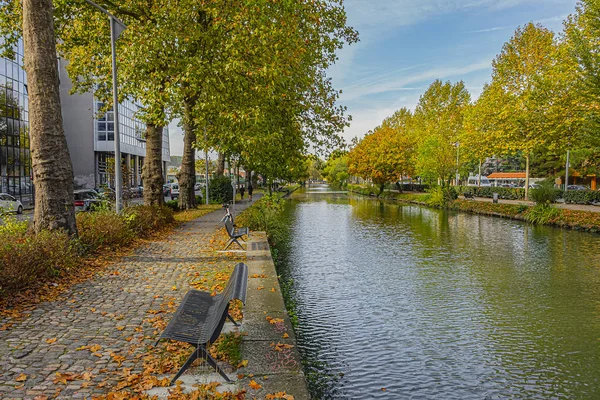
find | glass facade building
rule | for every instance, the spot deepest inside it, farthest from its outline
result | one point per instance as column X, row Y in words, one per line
column 89, row 134
column 15, row 159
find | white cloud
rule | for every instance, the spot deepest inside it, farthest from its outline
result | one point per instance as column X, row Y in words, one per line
column 373, row 18
column 551, row 22
column 494, row 29
column 378, row 84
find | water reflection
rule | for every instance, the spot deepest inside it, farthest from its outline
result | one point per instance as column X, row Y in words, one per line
column 433, row 304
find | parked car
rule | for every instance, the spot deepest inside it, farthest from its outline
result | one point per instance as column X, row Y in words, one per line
column 136, row 191
column 166, row 189
column 86, row 199
column 510, row 185
column 577, row 187
column 174, row 191
column 10, row 204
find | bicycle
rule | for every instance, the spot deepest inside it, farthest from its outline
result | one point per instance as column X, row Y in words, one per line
column 228, row 213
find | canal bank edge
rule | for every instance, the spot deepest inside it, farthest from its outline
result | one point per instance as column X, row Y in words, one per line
column 570, row 219
column 269, row 343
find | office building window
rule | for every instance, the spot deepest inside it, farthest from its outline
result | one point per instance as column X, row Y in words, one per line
column 15, row 158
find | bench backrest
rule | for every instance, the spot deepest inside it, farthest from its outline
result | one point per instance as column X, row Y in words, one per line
column 235, row 289
column 229, row 226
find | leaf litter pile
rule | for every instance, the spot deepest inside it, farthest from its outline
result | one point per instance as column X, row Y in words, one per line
column 140, row 365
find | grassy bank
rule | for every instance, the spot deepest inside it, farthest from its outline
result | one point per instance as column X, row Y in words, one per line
column 29, row 262
column 268, row 215
column 578, row 220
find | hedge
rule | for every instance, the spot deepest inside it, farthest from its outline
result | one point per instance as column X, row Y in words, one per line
column 488, row 191
column 220, row 190
column 581, row 196
column 29, row 260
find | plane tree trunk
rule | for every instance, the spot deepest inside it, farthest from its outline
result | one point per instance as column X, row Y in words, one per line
column 152, row 172
column 187, row 174
column 51, row 162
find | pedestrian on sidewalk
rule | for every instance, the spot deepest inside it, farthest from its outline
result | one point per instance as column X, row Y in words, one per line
column 250, row 189
column 242, row 190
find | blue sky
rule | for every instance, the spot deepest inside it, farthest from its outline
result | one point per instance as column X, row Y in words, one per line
column 407, row 44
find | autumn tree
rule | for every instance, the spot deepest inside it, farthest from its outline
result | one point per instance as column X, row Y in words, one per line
column 381, row 156
column 336, row 169
column 283, row 93
column 405, row 141
column 438, row 125
column 315, row 167
column 517, row 79
column 582, row 32
column 581, row 75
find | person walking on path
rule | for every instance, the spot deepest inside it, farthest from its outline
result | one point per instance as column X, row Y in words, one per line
column 242, row 190
column 250, row 189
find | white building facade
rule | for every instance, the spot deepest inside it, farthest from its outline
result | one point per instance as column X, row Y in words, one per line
column 90, row 137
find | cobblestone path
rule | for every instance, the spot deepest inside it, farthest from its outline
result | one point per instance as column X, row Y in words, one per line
column 79, row 345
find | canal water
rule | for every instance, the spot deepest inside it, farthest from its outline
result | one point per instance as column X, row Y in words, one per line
column 405, row 302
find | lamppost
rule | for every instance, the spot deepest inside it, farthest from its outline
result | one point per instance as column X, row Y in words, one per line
column 206, row 164
column 567, row 171
column 457, row 173
column 116, row 28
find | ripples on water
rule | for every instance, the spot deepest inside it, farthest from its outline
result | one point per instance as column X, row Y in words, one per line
column 435, row 305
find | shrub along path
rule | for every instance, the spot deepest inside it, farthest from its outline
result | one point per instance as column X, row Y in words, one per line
column 96, row 337
column 564, row 206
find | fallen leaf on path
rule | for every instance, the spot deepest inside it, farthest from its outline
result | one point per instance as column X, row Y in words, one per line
column 21, row 378
column 255, row 385
column 95, row 348
column 279, row 395
column 64, row 377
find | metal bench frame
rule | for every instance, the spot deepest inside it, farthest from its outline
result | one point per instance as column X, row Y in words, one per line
column 469, row 196
column 235, row 234
column 200, row 317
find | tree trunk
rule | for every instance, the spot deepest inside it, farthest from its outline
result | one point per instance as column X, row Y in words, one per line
column 51, row 162
column 381, row 189
column 479, row 177
column 527, row 177
column 187, row 174
column 152, row 172
column 220, row 165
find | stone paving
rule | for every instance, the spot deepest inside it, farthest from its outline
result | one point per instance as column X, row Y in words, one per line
column 79, row 345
